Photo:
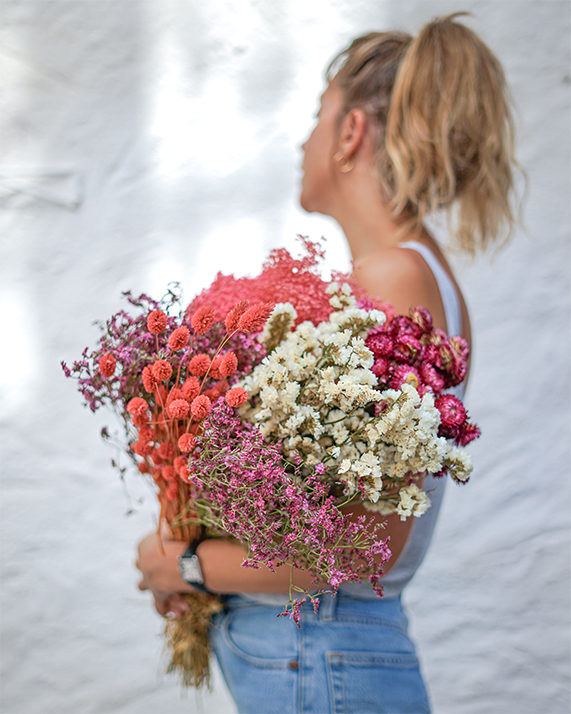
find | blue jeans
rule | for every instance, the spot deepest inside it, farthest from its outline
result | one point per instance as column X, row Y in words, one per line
column 353, row 656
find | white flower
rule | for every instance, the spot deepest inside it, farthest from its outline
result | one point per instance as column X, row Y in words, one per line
column 413, row 502
column 344, row 466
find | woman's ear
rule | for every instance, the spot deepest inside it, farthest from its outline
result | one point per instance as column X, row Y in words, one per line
column 352, row 132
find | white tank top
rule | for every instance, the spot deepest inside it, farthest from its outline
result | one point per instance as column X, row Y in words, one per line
column 423, row 527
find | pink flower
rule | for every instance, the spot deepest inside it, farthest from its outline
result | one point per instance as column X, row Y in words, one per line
column 186, row 443
column 452, row 411
column 191, row 388
column 203, row 319
column 256, row 317
column 137, row 407
column 149, row 381
column 179, row 338
column 233, row 317
column 431, row 377
column 422, row 318
column 178, row 409
column 200, row 407
column 460, row 347
column 162, row 370
column 146, row 434
column 404, row 374
column 236, row 396
column 228, row 364
column 380, row 367
column 107, row 365
column 199, row 365
column 157, row 322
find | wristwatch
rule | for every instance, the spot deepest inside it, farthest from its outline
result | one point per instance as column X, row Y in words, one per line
column 189, row 566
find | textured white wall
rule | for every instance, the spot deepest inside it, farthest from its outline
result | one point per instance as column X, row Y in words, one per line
column 143, row 142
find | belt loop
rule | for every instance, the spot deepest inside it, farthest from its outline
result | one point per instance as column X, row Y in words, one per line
column 327, row 606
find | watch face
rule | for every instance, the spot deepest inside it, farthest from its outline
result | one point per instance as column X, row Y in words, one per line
column 190, row 569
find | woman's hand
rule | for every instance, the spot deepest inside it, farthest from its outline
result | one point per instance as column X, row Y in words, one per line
column 158, row 563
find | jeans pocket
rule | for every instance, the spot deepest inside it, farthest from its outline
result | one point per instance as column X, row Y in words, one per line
column 375, row 683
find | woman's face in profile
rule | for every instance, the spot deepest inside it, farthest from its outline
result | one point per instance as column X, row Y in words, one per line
column 318, row 170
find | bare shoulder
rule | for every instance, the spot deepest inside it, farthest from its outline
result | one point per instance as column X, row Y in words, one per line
column 401, row 277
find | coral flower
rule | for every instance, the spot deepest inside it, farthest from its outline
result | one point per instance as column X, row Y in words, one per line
column 166, row 450
column 179, row 338
column 172, row 492
column 178, row 409
column 199, row 365
column 162, row 370
column 200, row 407
column 236, row 396
column 256, row 317
column 203, row 319
column 175, row 393
column 143, row 467
column 149, row 382
column 157, row 322
column 169, row 474
column 233, row 317
column 146, row 434
column 107, row 365
column 186, row 443
column 215, row 368
column 137, row 406
column 191, row 388
column 228, row 364
column 142, row 449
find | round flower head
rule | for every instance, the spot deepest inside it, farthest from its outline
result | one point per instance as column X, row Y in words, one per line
column 215, row 368
column 236, row 396
column 186, row 443
column 162, row 370
column 191, row 388
column 199, row 365
column 137, row 407
column 175, row 393
column 404, row 375
column 200, row 407
column 166, row 450
column 178, row 409
column 169, row 474
column 143, row 467
column 149, row 381
column 107, row 365
column 203, row 319
column 179, row 338
column 422, row 318
column 228, row 364
column 452, row 411
column 157, row 322
column 172, row 492
column 142, row 449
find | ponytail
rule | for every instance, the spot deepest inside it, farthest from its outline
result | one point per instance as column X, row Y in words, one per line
column 445, row 130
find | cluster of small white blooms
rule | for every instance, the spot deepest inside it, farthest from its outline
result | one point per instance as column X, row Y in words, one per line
column 459, row 463
column 409, row 425
column 413, row 501
column 367, row 466
column 340, row 296
column 279, row 322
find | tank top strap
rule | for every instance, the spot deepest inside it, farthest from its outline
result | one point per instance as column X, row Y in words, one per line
column 448, row 292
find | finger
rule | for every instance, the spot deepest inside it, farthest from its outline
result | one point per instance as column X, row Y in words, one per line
column 142, row 585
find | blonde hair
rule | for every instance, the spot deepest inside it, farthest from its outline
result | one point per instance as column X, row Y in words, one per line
column 444, row 127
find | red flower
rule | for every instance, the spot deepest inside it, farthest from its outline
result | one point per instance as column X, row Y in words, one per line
column 162, row 370
column 146, row 434
column 228, row 364
column 137, row 407
column 236, row 396
column 142, row 449
column 199, row 365
column 404, row 374
column 233, row 317
column 143, row 467
column 422, row 318
column 157, row 322
column 179, row 338
column 203, row 319
column 149, row 382
column 200, row 407
column 107, row 365
column 256, row 317
column 178, row 409
column 186, row 443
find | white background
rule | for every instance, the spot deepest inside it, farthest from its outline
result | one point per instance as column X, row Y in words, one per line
column 143, row 142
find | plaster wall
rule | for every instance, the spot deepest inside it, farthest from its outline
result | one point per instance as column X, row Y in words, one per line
column 143, row 142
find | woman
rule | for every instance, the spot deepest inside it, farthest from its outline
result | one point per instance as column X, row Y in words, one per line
column 406, row 126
